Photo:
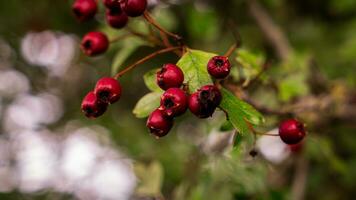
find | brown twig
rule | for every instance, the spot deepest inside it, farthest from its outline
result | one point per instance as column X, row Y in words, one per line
column 150, row 20
column 152, row 55
column 231, row 50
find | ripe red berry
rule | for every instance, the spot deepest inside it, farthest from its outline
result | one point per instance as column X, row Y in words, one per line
column 170, row 76
column 111, row 3
column 296, row 148
column 84, row 9
column 92, row 107
column 219, row 67
column 108, row 90
column 291, row 131
column 134, row 8
column 174, row 102
column 159, row 124
column 115, row 17
column 204, row 102
column 94, row 43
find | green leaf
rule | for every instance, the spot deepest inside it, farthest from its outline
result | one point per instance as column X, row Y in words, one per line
column 129, row 46
column 150, row 81
column 151, row 178
column 239, row 112
column 147, row 104
column 193, row 63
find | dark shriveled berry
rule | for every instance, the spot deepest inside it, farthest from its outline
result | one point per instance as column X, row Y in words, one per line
column 94, row 43
column 115, row 17
column 134, row 8
column 108, row 90
column 84, row 9
column 291, row 131
column 174, row 102
column 219, row 67
column 92, row 107
column 158, row 124
column 170, row 76
column 203, row 103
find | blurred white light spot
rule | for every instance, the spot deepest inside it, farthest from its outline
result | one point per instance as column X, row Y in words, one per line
column 272, row 148
column 54, row 51
column 12, row 83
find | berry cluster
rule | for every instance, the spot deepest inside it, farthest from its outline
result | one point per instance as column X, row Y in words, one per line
column 107, row 91
column 117, row 15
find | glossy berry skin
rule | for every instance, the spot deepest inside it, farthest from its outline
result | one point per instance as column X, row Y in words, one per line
column 170, row 76
column 94, row 43
column 158, row 124
column 111, row 3
column 174, row 102
column 134, row 8
column 84, row 9
column 204, row 102
column 219, row 67
column 92, row 107
column 115, row 17
column 108, row 90
column 291, row 131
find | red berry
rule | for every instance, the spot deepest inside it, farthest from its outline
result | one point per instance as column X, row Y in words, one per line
column 159, row 124
column 84, row 9
column 204, row 102
column 111, row 3
column 170, row 76
column 291, row 131
column 92, row 107
column 108, row 90
column 115, row 17
column 134, row 8
column 296, row 148
column 219, row 67
column 94, row 43
column 174, row 102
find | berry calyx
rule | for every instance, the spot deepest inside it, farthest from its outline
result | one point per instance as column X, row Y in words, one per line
column 291, row 131
column 219, row 67
column 115, row 17
column 158, row 124
column 170, row 76
column 94, row 43
column 203, row 103
column 108, row 90
column 92, row 107
column 134, row 8
column 84, row 9
column 174, row 102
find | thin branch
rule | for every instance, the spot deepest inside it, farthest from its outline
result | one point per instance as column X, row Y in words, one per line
column 154, row 54
column 231, row 50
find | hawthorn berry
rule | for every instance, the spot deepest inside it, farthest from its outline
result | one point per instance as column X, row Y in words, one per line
column 84, row 9
column 174, row 102
column 134, row 8
column 92, row 107
column 158, row 124
column 111, row 3
column 94, row 43
column 170, row 76
column 108, row 90
column 291, row 131
column 204, row 102
column 115, row 17
column 219, row 67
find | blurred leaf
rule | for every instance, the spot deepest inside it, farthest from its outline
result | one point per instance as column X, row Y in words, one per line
column 202, row 25
column 239, row 111
column 226, row 126
column 129, row 46
column 147, row 104
column 165, row 17
column 150, row 178
column 193, row 64
column 293, row 86
column 150, row 80
column 251, row 64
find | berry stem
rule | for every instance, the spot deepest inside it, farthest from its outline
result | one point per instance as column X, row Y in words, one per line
column 256, row 132
column 120, row 37
column 231, row 50
column 152, row 55
column 150, row 20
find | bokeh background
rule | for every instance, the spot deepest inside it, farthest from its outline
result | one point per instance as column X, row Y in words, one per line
column 49, row 150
